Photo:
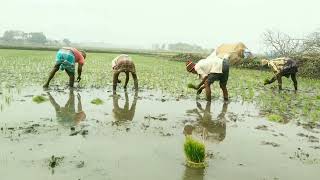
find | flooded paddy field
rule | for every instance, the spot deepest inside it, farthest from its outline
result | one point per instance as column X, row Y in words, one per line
column 87, row 133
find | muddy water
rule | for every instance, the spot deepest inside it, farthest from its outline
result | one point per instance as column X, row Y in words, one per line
column 140, row 136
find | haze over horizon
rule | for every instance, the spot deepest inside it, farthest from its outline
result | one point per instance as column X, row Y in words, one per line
column 142, row 23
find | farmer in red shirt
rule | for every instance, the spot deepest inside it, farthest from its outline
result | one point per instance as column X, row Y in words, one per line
column 65, row 60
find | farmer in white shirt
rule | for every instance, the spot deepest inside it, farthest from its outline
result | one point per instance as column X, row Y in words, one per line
column 209, row 70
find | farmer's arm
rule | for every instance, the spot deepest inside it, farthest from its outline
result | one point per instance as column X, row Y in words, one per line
column 274, row 67
column 202, row 82
column 79, row 71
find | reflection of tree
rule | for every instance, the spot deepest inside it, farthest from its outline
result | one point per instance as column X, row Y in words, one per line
column 208, row 128
column 193, row 174
column 125, row 113
column 67, row 115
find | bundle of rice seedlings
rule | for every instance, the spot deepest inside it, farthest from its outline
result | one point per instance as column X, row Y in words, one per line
column 97, row 101
column 194, row 150
column 190, row 85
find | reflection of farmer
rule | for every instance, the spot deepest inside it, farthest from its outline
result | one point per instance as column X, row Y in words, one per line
column 67, row 115
column 65, row 60
column 123, row 63
column 124, row 114
column 209, row 70
column 209, row 128
column 282, row 67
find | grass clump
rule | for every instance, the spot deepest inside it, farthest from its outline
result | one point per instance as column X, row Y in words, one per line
column 194, row 150
column 39, row 99
column 275, row 118
column 97, row 101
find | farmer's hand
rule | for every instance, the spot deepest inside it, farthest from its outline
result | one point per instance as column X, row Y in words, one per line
column 78, row 79
column 199, row 91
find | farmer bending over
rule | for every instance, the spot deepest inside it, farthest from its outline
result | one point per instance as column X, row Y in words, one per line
column 282, row 67
column 123, row 63
column 209, row 70
column 65, row 60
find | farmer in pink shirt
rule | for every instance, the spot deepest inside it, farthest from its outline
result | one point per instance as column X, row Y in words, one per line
column 65, row 60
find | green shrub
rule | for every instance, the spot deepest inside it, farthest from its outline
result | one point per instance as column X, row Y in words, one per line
column 309, row 65
column 187, row 56
column 194, row 150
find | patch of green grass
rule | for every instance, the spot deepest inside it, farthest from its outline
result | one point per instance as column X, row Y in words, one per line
column 97, row 101
column 194, row 150
column 275, row 118
column 39, row 99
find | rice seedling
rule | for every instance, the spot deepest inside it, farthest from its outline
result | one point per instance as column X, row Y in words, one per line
column 275, row 118
column 192, row 86
column 194, row 150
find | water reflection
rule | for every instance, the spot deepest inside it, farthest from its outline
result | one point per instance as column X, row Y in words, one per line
column 126, row 113
column 67, row 115
column 193, row 173
column 209, row 128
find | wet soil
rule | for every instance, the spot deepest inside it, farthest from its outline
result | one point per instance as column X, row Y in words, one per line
column 141, row 136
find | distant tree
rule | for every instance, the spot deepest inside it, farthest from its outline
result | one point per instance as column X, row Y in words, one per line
column 37, row 37
column 312, row 42
column 281, row 44
column 184, row 47
column 155, row 46
column 13, row 35
column 66, row 41
column 163, row 47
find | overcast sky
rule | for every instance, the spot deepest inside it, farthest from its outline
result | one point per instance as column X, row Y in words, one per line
column 144, row 22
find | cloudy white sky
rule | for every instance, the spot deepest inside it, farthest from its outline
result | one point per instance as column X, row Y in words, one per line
column 144, row 22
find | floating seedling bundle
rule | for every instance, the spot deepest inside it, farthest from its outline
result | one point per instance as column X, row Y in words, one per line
column 195, row 153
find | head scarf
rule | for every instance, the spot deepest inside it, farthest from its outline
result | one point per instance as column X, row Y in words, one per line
column 189, row 66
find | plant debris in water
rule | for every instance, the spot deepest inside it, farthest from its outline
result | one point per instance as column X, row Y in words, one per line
column 39, row 99
column 97, row 101
column 194, row 150
column 55, row 161
column 159, row 117
column 273, row 144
